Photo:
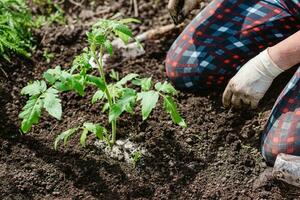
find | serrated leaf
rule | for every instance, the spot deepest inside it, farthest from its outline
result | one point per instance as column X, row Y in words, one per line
column 49, row 77
column 115, row 111
column 166, row 88
column 123, row 29
column 129, row 20
column 170, row 107
column 127, row 78
column 148, row 102
column 52, row 103
column 96, row 81
column 62, row 86
column 124, row 37
column 97, row 96
column 64, row 136
column 65, row 76
column 52, row 75
column 71, row 82
column 102, row 23
column 125, row 103
column 144, row 83
column 96, row 129
column 100, row 133
column 77, row 86
column 97, row 36
column 109, row 47
column 81, row 62
column 31, row 113
column 114, row 75
column 114, row 91
column 35, row 88
column 100, row 39
column 105, row 107
column 83, row 137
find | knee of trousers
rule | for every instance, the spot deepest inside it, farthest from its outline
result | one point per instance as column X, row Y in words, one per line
column 269, row 151
column 277, row 141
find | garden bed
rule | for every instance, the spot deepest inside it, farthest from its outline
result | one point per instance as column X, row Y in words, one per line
column 216, row 156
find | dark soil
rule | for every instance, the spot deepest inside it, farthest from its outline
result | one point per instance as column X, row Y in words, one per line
column 216, row 157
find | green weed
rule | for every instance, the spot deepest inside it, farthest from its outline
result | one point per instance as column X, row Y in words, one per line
column 15, row 28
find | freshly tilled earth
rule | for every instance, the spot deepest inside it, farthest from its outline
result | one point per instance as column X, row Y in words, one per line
column 216, row 157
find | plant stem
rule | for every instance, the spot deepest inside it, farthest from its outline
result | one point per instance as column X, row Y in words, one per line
column 107, row 93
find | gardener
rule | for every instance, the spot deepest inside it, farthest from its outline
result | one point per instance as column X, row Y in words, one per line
column 247, row 43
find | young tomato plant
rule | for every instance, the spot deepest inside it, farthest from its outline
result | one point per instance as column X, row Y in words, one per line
column 116, row 96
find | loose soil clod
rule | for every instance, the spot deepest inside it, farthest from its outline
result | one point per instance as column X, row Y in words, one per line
column 123, row 150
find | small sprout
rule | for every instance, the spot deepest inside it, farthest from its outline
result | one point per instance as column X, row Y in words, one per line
column 136, row 157
column 114, row 75
column 48, row 56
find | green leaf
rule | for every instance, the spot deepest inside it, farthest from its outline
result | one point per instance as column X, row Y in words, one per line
column 96, row 81
column 100, row 133
column 65, row 76
column 71, row 82
column 115, row 111
column 123, row 32
column 129, row 20
column 77, row 86
column 35, row 88
column 127, row 78
column 81, row 61
column 115, row 92
column 144, row 83
column 52, row 75
column 31, row 113
column 62, row 86
column 83, row 137
column 166, row 88
column 170, row 107
column 109, row 47
column 97, row 96
column 114, row 75
column 125, row 103
column 148, row 102
column 105, row 107
column 96, row 37
column 100, row 39
column 123, row 29
column 52, row 103
column 96, row 129
column 64, row 136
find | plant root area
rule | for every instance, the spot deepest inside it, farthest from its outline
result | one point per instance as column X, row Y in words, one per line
column 216, row 157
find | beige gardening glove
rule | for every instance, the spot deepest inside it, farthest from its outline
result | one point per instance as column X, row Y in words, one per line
column 179, row 9
column 251, row 82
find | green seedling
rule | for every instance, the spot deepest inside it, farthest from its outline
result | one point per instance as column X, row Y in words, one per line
column 48, row 56
column 136, row 157
column 116, row 96
column 15, row 27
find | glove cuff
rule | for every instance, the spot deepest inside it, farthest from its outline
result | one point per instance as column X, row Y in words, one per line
column 268, row 67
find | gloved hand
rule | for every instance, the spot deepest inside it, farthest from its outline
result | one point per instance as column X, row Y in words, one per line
column 251, row 82
column 179, row 9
